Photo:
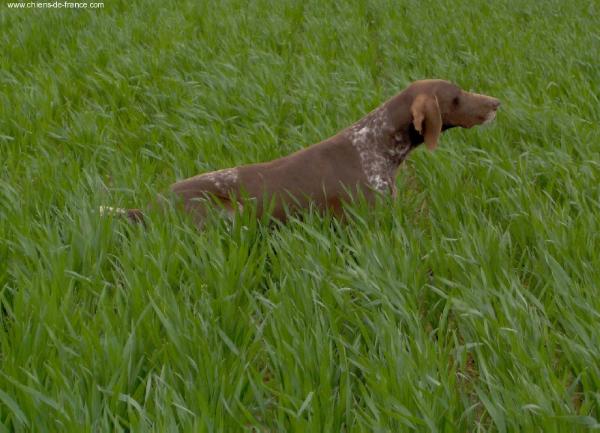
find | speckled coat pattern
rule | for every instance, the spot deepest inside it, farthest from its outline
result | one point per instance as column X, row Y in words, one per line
column 381, row 149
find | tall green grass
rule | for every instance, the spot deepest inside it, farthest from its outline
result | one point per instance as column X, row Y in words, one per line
column 470, row 304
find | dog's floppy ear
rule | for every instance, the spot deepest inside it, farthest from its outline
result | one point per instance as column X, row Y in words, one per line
column 427, row 118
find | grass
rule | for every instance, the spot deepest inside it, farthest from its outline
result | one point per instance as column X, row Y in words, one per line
column 470, row 304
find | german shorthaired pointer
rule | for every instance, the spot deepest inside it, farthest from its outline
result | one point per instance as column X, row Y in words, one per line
column 362, row 158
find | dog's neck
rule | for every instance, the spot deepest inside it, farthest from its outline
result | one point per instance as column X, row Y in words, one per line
column 382, row 145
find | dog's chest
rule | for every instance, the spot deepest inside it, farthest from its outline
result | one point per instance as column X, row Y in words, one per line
column 380, row 155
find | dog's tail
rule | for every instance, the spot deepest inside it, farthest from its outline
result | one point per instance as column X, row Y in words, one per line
column 133, row 215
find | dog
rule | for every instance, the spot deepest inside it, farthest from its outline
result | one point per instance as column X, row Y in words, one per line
column 363, row 158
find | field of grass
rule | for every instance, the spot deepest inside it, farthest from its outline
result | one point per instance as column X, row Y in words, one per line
column 469, row 304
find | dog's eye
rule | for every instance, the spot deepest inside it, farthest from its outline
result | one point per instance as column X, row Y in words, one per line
column 456, row 100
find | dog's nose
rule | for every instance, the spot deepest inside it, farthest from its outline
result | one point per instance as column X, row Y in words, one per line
column 495, row 104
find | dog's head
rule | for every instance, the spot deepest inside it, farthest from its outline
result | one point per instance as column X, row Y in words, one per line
column 438, row 105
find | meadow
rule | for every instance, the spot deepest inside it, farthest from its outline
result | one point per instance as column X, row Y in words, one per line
column 469, row 304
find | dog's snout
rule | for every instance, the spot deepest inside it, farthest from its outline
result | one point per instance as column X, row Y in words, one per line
column 495, row 104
